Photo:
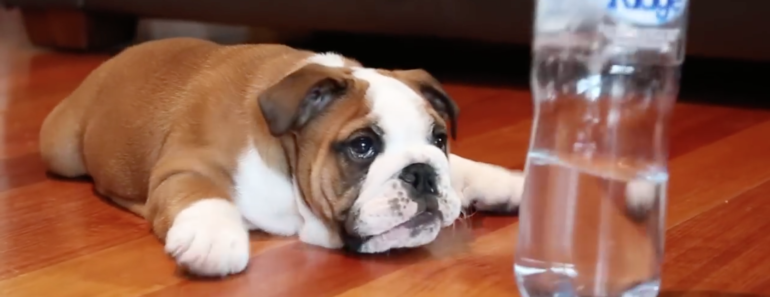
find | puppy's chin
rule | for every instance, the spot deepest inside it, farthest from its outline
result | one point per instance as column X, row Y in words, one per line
column 419, row 230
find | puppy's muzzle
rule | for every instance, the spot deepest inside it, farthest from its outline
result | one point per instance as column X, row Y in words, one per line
column 421, row 180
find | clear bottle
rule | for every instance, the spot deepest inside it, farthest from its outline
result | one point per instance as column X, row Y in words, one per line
column 605, row 77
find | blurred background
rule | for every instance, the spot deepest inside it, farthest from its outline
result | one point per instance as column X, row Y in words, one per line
column 475, row 41
column 724, row 29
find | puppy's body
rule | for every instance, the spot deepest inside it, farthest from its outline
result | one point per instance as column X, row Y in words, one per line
column 173, row 106
column 206, row 141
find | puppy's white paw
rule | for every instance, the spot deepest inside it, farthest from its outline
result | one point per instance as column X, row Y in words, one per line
column 641, row 197
column 495, row 189
column 208, row 238
column 488, row 187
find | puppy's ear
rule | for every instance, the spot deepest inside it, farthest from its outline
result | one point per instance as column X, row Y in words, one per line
column 299, row 97
column 430, row 88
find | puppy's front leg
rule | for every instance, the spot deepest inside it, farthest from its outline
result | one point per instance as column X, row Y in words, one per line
column 486, row 187
column 202, row 229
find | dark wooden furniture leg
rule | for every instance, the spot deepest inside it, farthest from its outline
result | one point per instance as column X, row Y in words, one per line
column 78, row 30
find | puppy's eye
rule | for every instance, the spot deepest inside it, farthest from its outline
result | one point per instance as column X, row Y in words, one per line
column 439, row 140
column 362, row 147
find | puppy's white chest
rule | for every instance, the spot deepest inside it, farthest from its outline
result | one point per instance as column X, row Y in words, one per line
column 265, row 197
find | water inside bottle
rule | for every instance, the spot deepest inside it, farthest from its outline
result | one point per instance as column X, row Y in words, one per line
column 608, row 238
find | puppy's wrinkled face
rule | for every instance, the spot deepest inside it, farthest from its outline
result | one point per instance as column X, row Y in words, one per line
column 374, row 162
column 406, row 197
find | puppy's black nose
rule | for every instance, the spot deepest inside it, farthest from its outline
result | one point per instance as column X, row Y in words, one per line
column 422, row 177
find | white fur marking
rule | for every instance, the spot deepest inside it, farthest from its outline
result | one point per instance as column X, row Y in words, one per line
column 270, row 202
column 264, row 196
column 327, row 59
column 397, row 109
column 209, row 239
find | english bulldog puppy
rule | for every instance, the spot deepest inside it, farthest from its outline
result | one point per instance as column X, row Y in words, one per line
column 208, row 141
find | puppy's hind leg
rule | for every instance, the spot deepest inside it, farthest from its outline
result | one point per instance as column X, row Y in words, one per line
column 486, row 187
column 60, row 141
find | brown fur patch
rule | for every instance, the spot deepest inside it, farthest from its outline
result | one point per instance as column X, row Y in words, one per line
column 168, row 118
column 324, row 178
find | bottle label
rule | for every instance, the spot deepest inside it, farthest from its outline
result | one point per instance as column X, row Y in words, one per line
column 647, row 12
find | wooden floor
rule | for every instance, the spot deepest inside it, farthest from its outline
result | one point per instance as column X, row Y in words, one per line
column 58, row 239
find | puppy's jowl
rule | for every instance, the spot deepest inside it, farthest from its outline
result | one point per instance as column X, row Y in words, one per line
column 207, row 142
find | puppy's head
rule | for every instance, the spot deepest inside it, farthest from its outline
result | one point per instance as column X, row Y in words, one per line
column 370, row 151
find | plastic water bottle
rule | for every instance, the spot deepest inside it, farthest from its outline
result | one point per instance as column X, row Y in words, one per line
column 605, row 77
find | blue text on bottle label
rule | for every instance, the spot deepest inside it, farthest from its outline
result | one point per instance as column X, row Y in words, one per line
column 647, row 12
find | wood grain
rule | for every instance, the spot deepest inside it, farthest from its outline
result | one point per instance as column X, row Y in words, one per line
column 58, row 239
